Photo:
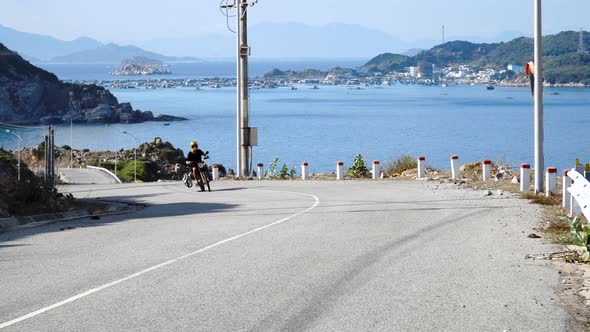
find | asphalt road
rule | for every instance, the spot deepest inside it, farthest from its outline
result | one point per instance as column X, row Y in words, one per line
column 284, row 256
column 86, row 176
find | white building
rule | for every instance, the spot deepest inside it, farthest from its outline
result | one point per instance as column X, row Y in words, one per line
column 516, row 68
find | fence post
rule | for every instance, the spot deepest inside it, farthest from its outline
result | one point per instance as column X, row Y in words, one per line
column 421, row 167
column 215, row 172
column 566, row 184
column 340, row 171
column 455, row 169
column 551, row 181
column 260, row 171
column 487, row 170
column 587, row 172
column 305, row 171
column 376, row 170
column 525, row 177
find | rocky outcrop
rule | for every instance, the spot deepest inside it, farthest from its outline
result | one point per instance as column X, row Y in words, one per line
column 31, row 95
column 135, row 69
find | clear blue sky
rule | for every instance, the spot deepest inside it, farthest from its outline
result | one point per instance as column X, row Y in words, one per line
column 129, row 20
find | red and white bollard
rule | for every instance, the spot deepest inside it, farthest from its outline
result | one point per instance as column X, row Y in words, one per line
column 566, row 184
column 376, row 170
column 551, row 182
column 305, row 171
column 525, row 177
column 487, row 170
column 215, row 172
column 340, row 171
column 421, row 167
column 455, row 169
column 260, row 171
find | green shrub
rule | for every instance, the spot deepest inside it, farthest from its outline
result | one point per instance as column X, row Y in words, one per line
column 283, row 173
column 125, row 170
column 66, row 147
column 400, row 165
column 581, row 237
column 358, row 168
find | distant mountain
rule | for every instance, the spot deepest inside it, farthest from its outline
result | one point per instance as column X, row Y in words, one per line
column 562, row 62
column 287, row 40
column 40, row 47
column 113, row 53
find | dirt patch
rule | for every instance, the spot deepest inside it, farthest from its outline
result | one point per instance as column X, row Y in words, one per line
column 574, row 292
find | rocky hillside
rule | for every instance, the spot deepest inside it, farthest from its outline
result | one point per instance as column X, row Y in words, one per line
column 29, row 196
column 31, row 95
column 563, row 63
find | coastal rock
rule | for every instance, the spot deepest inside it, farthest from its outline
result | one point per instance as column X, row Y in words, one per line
column 141, row 66
column 31, row 95
column 51, row 119
column 100, row 114
column 168, row 118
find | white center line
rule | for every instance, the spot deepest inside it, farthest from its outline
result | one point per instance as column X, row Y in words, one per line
column 155, row 267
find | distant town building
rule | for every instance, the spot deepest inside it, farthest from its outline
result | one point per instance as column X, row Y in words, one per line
column 516, row 68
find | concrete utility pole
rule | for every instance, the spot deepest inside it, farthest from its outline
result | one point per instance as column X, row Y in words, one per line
column 134, row 155
column 242, row 86
column 71, row 143
column 539, row 136
column 246, row 136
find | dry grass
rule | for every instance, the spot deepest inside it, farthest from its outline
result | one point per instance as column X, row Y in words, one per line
column 400, row 165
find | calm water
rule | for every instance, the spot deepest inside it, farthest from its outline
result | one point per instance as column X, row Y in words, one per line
column 335, row 123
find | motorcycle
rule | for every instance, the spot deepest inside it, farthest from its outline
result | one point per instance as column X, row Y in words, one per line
column 202, row 176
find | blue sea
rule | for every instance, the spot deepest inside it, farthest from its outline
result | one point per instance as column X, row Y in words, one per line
column 336, row 123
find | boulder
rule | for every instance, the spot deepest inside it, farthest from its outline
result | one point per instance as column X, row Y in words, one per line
column 169, row 118
column 146, row 116
column 100, row 114
column 129, row 118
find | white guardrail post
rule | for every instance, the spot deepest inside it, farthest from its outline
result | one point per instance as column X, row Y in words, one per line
column 455, row 169
column 215, row 172
column 525, row 177
column 551, row 181
column 421, row 167
column 376, row 170
column 566, row 184
column 580, row 194
column 340, row 171
column 487, row 170
column 305, row 171
column 260, row 172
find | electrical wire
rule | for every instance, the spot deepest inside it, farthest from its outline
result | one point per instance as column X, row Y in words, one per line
column 225, row 12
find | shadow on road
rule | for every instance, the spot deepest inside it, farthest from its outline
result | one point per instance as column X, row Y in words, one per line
column 169, row 210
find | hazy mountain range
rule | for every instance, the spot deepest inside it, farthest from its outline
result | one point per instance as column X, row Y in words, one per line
column 268, row 40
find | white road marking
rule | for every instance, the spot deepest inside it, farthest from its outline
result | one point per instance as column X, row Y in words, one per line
column 137, row 274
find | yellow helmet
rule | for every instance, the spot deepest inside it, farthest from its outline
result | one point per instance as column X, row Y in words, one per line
column 193, row 143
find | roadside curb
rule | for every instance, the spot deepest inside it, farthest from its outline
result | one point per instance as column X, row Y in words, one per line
column 24, row 222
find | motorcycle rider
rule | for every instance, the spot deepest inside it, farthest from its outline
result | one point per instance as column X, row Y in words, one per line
column 195, row 156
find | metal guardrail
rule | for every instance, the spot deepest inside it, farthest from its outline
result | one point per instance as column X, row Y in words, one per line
column 106, row 171
column 580, row 194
